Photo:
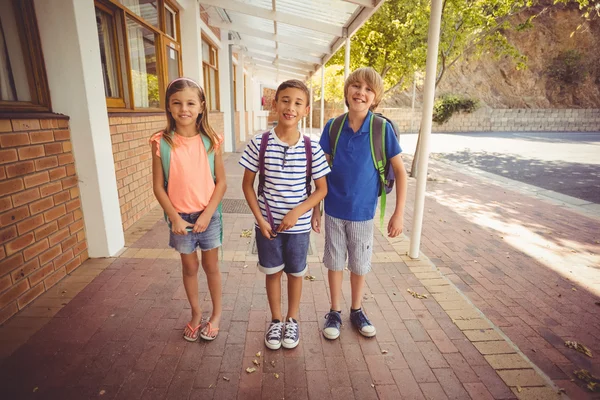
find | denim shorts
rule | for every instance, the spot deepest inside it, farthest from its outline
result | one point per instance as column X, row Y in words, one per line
column 207, row 240
column 287, row 252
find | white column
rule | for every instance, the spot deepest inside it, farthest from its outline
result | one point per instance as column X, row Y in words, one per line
column 310, row 101
column 240, row 95
column 346, row 66
column 72, row 60
column 225, row 92
column 433, row 40
column 249, row 104
column 191, row 42
column 322, row 98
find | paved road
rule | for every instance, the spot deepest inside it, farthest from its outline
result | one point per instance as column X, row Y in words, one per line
column 567, row 163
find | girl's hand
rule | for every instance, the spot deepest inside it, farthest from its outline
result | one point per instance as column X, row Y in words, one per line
column 265, row 229
column 202, row 223
column 289, row 221
column 315, row 221
column 179, row 226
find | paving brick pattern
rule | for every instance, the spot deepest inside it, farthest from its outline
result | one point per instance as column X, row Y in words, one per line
column 112, row 329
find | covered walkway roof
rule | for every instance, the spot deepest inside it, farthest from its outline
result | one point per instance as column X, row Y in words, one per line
column 284, row 39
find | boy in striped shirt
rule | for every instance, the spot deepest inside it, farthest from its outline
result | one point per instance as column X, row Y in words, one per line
column 283, row 244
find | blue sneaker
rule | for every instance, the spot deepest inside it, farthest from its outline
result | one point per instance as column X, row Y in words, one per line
column 291, row 335
column 333, row 323
column 274, row 335
column 362, row 323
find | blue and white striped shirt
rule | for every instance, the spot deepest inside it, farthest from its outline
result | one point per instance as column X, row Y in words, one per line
column 285, row 176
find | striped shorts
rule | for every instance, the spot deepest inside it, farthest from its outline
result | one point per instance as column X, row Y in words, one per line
column 351, row 239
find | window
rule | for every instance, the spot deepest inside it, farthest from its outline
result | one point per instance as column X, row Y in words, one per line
column 23, row 84
column 210, row 69
column 235, row 106
column 139, row 51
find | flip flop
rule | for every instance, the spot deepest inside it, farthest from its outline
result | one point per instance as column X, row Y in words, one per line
column 193, row 337
column 210, row 333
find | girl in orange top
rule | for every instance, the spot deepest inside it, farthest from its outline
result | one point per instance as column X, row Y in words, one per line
column 192, row 196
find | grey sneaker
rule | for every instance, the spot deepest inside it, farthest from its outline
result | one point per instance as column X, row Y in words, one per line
column 362, row 323
column 291, row 336
column 274, row 335
column 333, row 323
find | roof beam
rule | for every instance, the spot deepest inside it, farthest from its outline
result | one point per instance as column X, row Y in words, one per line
column 283, row 63
column 246, row 30
column 362, row 3
column 276, row 16
column 281, row 52
column 280, row 70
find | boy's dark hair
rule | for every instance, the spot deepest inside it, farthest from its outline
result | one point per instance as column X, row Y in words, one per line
column 293, row 83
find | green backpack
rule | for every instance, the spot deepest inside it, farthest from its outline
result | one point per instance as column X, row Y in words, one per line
column 165, row 158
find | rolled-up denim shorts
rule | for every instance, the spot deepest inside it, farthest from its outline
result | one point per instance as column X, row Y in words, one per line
column 207, row 240
column 287, row 252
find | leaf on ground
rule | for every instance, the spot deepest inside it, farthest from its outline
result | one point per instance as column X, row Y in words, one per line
column 250, row 370
column 246, row 266
column 591, row 380
column 255, row 362
column 35, row 389
column 579, row 347
column 384, row 351
column 276, row 375
column 246, row 233
column 102, row 392
column 519, row 389
column 258, row 354
column 209, row 386
column 273, row 362
column 309, row 277
column 561, row 390
column 574, row 289
column 372, row 385
column 416, row 295
column 226, row 379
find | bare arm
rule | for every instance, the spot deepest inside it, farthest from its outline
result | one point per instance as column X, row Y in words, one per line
column 396, row 223
column 252, row 200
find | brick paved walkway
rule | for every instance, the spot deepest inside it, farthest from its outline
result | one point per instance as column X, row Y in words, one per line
column 113, row 328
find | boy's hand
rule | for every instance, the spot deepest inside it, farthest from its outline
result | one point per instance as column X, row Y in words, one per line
column 179, row 226
column 315, row 221
column 265, row 229
column 395, row 225
column 289, row 221
column 202, row 223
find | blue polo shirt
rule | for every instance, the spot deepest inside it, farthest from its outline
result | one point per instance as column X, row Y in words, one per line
column 353, row 184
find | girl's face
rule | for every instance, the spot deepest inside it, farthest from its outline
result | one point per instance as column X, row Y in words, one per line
column 185, row 106
column 360, row 97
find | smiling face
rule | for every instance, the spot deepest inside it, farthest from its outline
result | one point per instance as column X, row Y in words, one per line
column 359, row 96
column 291, row 105
column 185, row 106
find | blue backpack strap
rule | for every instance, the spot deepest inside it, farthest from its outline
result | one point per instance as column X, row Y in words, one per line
column 165, row 159
column 211, row 163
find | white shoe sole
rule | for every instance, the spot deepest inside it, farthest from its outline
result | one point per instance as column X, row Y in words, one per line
column 330, row 336
column 367, row 334
column 273, row 346
column 290, row 345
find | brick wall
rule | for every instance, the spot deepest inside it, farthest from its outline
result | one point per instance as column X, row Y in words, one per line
column 42, row 236
column 216, row 119
column 133, row 162
column 204, row 17
column 498, row 120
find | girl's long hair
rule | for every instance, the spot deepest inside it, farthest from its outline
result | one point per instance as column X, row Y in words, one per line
column 202, row 125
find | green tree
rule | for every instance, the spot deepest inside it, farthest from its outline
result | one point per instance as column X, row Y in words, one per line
column 334, row 84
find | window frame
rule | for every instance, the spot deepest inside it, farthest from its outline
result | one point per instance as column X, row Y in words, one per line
column 162, row 41
column 213, row 55
column 33, row 58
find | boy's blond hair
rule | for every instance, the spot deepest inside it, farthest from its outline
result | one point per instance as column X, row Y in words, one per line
column 371, row 78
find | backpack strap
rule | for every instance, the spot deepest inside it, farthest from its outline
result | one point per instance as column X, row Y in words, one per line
column 335, row 131
column 377, row 139
column 210, row 154
column 261, row 176
column 308, row 152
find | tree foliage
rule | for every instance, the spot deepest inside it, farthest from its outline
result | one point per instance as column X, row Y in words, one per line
column 334, row 84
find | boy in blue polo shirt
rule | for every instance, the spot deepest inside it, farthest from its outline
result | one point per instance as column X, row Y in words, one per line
column 351, row 201
column 284, row 205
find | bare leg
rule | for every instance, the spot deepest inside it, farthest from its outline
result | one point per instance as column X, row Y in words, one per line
column 294, row 294
column 274, row 294
column 335, row 288
column 190, row 265
column 357, row 284
column 210, row 264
